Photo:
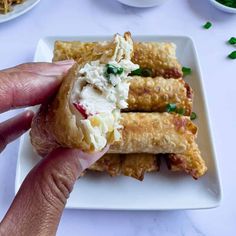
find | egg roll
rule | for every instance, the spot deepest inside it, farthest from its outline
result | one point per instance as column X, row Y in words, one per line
column 85, row 113
column 110, row 163
column 136, row 165
column 148, row 94
column 189, row 162
column 133, row 165
column 158, row 57
column 155, row 133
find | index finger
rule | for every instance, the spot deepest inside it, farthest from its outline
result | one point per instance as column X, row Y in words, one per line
column 30, row 84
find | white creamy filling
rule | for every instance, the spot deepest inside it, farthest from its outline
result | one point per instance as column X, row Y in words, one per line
column 123, row 48
column 101, row 96
column 98, row 126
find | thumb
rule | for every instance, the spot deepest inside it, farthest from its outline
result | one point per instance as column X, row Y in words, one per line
column 38, row 205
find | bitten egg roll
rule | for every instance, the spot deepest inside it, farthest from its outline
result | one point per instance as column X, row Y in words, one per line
column 85, row 113
column 154, row 94
column 160, row 58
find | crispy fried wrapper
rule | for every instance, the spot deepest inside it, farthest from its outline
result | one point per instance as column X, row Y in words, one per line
column 137, row 165
column 189, row 162
column 133, row 165
column 154, row 94
column 160, row 58
column 56, row 124
column 162, row 133
column 155, row 133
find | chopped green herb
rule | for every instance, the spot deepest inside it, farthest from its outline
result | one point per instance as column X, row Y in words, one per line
column 193, row 116
column 207, row 25
column 114, row 70
column 232, row 40
column 180, row 111
column 232, row 55
column 136, row 72
column 228, row 3
column 145, row 72
column 171, row 107
column 186, row 71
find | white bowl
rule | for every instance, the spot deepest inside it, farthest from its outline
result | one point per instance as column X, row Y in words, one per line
column 223, row 7
column 142, row 3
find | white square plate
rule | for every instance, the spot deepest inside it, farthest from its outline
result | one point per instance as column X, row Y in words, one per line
column 159, row 191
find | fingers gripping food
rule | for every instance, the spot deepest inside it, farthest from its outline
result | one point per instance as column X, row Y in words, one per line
column 85, row 113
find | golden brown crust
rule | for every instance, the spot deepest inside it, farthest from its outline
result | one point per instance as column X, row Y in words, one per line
column 83, row 52
column 154, row 94
column 137, row 164
column 133, row 165
column 159, row 57
column 155, row 133
column 55, row 124
column 189, row 162
column 110, row 163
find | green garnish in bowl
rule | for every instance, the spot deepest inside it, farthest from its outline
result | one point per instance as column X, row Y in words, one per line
column 208, row 25
column 228, row 3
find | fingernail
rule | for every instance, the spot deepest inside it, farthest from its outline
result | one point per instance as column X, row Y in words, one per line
column 65, row 62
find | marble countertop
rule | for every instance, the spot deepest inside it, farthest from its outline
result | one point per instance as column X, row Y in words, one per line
column 18, row 39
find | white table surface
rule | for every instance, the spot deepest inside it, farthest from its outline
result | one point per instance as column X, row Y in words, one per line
column 18, row 39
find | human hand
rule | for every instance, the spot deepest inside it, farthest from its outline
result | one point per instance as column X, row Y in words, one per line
column 38, row 205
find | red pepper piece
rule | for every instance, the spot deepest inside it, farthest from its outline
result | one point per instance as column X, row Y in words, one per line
column 81, row 109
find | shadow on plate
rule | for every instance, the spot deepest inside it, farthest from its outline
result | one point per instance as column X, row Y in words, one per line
column 206, row 11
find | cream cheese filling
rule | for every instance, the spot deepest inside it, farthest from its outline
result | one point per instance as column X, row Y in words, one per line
column 97, row 97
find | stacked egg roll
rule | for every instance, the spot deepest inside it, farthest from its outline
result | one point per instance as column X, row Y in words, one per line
column 134, row 165
column 149, row 132
column 148, row 94
column 160, row 58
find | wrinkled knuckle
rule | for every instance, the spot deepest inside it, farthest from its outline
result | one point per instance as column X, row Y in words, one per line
column 56, row 186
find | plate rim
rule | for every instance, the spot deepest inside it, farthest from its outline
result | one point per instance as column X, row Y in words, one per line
column 218, row 198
